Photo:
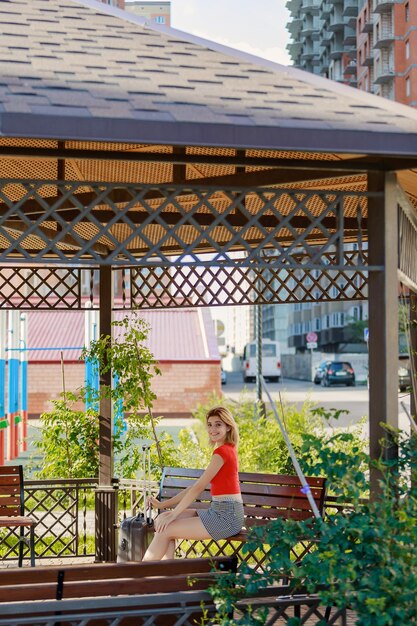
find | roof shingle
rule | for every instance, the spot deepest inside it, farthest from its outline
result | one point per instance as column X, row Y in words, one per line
column 77, row 69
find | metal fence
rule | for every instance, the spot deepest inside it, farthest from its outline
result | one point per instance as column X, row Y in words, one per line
column 64, row 512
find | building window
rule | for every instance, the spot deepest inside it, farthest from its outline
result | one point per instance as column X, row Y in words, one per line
column 160, row 19
column 407, row 49
column 317, row 323
column 338, row 320
column 407, row 11
column 407, row 87
column 357, row 313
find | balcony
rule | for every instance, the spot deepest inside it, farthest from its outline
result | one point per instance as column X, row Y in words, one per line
column 325, row 9
column 351, row 69
column 337, row 24
column 350, row 8
column 308, row 55
column 308, row 30
column 385, row 38
column 293, row 5
column 385, row 75
column 336, row 53
column 383, row 6
column 368, row 60
column 368, row 26
column 310, row 7
column 295, row 48
column 350, row 37
column 295, row 25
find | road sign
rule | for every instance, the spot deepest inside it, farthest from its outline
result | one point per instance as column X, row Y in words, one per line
column 311, row 337
column 311, row 345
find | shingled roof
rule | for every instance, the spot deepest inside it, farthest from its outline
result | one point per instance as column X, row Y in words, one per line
column 81, row 70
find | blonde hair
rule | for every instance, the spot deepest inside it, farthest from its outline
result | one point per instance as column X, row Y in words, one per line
column 232, row 435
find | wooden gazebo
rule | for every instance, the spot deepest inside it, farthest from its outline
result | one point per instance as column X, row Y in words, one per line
column 200, row 174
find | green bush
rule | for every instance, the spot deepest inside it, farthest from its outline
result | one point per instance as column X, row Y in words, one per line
column 69, row 440
column 262, row 447
column 365, row 558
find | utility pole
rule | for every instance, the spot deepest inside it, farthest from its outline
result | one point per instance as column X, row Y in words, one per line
column 258, row 336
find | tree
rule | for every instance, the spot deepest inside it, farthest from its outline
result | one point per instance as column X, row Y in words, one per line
column 69, row 437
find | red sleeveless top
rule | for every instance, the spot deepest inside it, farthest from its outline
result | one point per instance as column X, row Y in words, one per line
column 226, row 481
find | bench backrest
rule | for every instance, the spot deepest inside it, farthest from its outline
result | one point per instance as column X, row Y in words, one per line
column 11, row 491
column 265, row 496
column 95, row 580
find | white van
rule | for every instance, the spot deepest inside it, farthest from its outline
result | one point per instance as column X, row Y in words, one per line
column 271, row 361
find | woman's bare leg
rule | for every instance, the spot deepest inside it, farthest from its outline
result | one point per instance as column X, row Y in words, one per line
column 170, row 553
column 187, row 526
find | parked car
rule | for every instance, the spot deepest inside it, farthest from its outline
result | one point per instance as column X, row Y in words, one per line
column 334, row 373
column 223, row 377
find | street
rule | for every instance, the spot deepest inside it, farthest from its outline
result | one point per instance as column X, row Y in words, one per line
column 353, row 399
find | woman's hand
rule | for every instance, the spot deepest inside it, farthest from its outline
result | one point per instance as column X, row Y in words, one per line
column 153, row 502
column 163, row 520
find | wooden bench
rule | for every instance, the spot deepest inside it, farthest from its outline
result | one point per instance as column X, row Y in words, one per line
column 134, row 591
column 265, row 497
column 12, row 509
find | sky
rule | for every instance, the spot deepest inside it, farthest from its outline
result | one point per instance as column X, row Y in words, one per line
column 255, row 26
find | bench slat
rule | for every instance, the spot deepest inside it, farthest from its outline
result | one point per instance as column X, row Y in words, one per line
column 249, row 477
column 267, row 490
column 259, row 505
column 97, row 571
column 103, row 580
column 9, row 469
column 98, row 588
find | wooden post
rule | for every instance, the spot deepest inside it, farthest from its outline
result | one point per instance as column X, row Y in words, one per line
column 383, row 317
column 105, row 507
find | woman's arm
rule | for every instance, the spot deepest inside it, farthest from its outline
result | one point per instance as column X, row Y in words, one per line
column 192, row 492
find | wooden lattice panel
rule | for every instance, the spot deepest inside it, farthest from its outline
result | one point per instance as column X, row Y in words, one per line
column 40, row 288
column 407, row 262
column 116, row 224
column 185, row 285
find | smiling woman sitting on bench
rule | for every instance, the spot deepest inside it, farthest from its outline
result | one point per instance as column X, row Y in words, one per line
column 225, row 516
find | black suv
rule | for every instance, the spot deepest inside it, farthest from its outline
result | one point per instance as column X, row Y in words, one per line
column 334, row 373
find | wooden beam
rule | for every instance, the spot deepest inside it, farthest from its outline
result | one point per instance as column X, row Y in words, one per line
column 383, row 318
column 363, row 163
column 21, row 227
column 171, row 218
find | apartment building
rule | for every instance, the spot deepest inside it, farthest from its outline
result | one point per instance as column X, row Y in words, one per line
column 372, row 45
column 387, row 49
column 369, row 44
column 323, row 37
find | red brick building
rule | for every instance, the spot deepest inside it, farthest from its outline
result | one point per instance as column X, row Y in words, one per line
column 182, row 340
column 387, row 49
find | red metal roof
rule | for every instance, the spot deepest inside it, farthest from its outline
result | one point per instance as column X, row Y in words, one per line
column 175, row 335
